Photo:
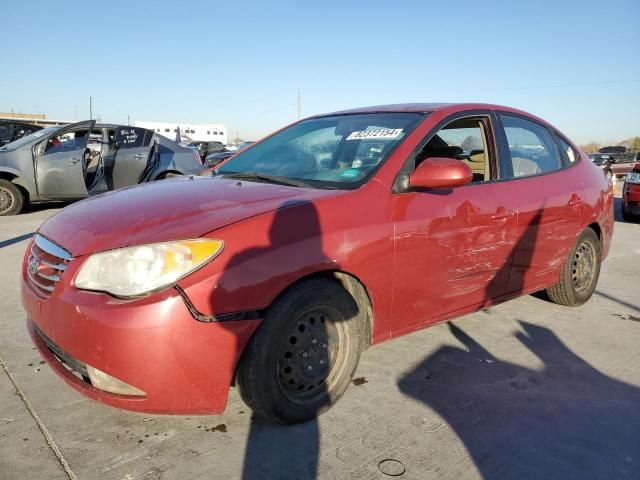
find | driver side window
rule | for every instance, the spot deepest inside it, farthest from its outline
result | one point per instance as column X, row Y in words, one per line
column 464, row 139
column 66, row 142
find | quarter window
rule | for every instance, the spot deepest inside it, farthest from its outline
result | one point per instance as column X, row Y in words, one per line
column 567, row 151
column 531, row 147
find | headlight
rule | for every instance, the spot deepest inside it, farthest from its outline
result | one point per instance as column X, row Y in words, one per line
column 135, row 271
column 633, row 177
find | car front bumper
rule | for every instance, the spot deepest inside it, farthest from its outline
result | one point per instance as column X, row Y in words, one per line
column 154, row 344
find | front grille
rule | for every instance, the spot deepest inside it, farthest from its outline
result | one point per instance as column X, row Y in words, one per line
column 46, row 264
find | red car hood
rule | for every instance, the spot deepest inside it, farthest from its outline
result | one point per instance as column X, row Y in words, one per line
column 166, row 210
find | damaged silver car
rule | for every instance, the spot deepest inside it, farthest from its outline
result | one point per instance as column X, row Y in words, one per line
column 84, row 159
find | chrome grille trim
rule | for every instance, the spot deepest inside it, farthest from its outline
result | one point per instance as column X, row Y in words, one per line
column 56, row 266
column 46, row 264
column 48, row 288
column 51, row 248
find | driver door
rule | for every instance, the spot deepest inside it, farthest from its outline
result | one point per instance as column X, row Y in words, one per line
column 59, row 162
column 133, row 155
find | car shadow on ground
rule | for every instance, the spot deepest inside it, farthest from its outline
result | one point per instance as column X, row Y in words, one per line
column 560, row 421
column 282, row 452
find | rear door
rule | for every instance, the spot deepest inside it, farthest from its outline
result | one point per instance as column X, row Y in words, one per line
column 60, row 162
column 134, row 147
column 548, row 199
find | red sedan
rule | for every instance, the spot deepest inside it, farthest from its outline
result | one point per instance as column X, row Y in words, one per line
column 333, row 234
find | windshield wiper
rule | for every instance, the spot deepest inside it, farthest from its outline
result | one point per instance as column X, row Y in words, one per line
column 263, row 177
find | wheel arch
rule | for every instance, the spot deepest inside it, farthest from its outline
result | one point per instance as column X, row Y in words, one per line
column 351, row 284
column 356, row 289
column 167, row 174
column 18, row 181
column 595, row 226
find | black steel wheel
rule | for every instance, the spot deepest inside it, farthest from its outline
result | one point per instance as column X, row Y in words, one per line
column 303, row 356
column 580, row 272
column 309, row 361
column 11, row 198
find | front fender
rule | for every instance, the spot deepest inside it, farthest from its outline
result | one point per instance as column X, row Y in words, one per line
column 18, row 179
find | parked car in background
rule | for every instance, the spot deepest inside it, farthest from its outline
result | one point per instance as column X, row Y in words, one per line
column 279, row 270
column 602, row 160
column 83, row 159
column 622, row 164
column 631, row 195
column 207, row 148
column 214, row 159
column 11, row 131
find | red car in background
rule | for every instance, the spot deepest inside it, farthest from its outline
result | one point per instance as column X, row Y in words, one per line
column 631, row 195
column 335, row 233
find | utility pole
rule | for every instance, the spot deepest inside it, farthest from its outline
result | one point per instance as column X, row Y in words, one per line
column 128, row 120
column 298, row 104
column 90, row 108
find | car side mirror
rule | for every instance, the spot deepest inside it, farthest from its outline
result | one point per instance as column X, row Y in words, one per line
column 440, row 173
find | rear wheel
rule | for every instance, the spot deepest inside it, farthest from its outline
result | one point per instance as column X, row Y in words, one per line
column 580, row 272
column 302, row 358
column 11, row 198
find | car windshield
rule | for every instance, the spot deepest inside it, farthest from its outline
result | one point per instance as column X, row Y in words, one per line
column 340, row 151
column 29, row 138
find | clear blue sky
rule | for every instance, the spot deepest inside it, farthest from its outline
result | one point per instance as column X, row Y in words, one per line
column 574, row 63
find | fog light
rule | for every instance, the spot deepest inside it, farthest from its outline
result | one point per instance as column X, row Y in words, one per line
column 106, row 382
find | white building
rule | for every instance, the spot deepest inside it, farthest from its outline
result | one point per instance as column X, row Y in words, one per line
column 188, row 131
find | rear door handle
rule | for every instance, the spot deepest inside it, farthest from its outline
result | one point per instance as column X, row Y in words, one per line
column 502, row 214
column 575, row 200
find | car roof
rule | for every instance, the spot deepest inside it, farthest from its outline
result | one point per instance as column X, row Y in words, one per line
column 442, row 108
column 427, row 108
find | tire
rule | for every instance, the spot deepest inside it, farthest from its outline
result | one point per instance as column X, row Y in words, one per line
column 580, row 272
column 304, row 354
column 628, row 216
column 11, row 198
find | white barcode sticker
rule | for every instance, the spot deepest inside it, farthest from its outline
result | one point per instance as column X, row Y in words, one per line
column 377, row 133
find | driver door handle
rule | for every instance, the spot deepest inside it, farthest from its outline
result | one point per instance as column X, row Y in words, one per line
column 73, row 161
column 139, row 155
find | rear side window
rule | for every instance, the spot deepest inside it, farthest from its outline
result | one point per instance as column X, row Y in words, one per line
column 531, row 147
column 133, row 137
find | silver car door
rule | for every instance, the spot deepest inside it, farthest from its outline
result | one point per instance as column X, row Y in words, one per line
column 59, row 162
column 133, row 154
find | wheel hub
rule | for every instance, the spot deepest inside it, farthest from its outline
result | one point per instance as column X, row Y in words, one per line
column 583, row 266
column 6, row 200
column 307, row 355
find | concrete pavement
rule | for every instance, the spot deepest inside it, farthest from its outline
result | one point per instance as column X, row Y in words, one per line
column 527, row 389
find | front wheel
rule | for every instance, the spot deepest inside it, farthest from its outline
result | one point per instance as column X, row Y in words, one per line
column 302, row 358
column 580, row 272
column 11, row 198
